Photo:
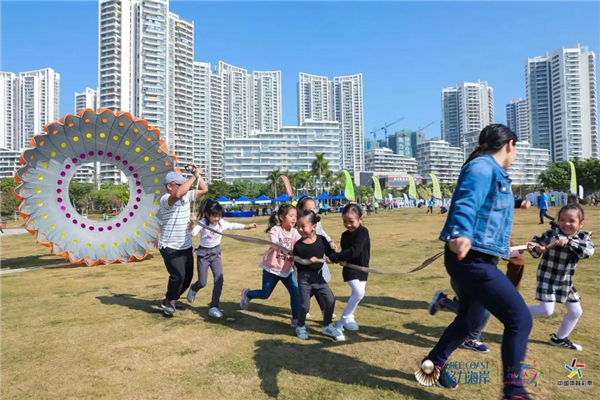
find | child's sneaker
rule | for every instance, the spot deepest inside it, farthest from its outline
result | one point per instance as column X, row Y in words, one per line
column 436, row 303
column 168, row 307
column 475, row 345
column 191, row 296
column 215, row 313
column 333, row 332
column 295, row 324
column 301, row 332
column 244, row 300
column 348, row 322
column 566, row 343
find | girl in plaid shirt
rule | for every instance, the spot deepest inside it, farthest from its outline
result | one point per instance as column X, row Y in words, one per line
column 561, row 248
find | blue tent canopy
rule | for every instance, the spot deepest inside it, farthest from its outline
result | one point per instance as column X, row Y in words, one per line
column 302, row 195
column 262, row 198
column 283, row 197
column 222, row 199
column 242, row 198
column 340, row 196
column 323, row 196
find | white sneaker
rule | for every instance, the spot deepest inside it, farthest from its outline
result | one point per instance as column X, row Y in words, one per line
column 301, row 332
column 349, row 323
column 244, row 300
column 333, row 332
column 215, row 313
column 191, row 296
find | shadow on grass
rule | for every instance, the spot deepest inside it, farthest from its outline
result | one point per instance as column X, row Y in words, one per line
column 134, row 303
column 273, row 356
column 437, row 331
column 48, row 260
column 31, row 261
column 380, row 302
column 246, row 321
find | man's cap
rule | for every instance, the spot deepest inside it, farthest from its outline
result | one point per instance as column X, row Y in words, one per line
column 174, row 177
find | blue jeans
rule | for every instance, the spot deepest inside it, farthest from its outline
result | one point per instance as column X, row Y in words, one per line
column 544, row 213
column 477, row 320
column 269, row 281
column 483, row 286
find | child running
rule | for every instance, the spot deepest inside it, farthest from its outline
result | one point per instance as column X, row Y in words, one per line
column 561, row 248
column 477, row 233
column 313, row 247
column 276, row 265
column 308, row 204
column 356, row 249
column 209, row 252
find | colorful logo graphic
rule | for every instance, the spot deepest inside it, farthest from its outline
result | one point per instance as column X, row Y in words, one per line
column 531, row 373
column 574, row 369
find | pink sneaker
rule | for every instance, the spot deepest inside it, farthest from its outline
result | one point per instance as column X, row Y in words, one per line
column 244, row 300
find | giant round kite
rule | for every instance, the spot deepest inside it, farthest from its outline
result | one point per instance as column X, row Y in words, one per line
column 118, row 139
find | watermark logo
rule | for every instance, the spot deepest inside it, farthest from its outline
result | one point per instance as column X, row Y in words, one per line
column 531, row 373
column 575, row 370
column 469, row 372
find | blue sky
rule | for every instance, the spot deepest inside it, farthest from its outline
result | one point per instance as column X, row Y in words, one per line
column 406, row 51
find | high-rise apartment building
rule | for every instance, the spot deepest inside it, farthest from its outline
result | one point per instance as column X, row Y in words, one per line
column 517, row 119
column 467, row 107
column 9, row 112
column 563, row 102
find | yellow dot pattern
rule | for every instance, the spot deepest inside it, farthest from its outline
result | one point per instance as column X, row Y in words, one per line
column 101, row 246
column 40, row 203
column 40, row 177
column 146, row 224
column 88, row 135
column 152, row 214
column 102, row 135
column 75, row 241
column 45, row 216
column 137, row 149
column 126, row 240
column 157, row 191
column 63, row 145
column 156, row 180
column 53, row 154
column 63, row 235
column 38, row 190
column 127, row 143
column 115, row 244
column 88, row 245
column 52, row 226
column 153, row 168
column 137, row 232
column 76, row 138
column 115, row 137
column 45, row 164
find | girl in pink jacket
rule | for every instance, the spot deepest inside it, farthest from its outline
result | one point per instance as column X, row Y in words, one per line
column 277, row 265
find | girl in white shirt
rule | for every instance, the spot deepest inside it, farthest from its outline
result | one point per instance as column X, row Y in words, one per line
column 209, row 252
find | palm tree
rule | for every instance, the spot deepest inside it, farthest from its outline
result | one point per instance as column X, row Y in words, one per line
column 272, row 180
column 318, row 168
column 303, row 177
column 328, row 179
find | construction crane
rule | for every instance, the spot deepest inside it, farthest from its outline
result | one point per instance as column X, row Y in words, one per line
column 426, row 126
column 384, row 129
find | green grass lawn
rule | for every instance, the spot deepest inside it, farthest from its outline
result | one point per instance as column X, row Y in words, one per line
column 98, row 333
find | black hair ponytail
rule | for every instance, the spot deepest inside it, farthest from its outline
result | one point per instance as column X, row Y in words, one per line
column 491, row 139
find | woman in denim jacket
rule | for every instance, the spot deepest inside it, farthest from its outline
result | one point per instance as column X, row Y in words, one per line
column 477, row 233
